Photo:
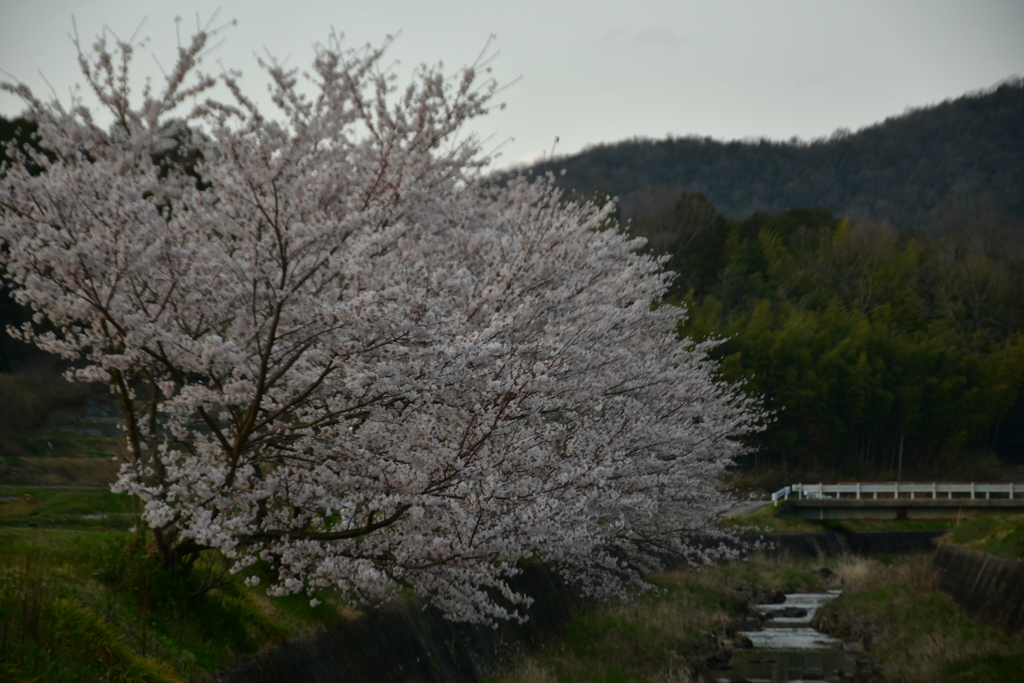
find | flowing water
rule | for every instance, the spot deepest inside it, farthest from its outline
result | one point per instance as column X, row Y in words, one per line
column 786, row 648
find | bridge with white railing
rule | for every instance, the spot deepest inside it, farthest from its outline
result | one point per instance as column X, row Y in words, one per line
column 900, row 500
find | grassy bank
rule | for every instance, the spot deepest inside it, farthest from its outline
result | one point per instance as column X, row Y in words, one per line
column 996, row 534
column 80, row 599
column 89, row 605
column 81, row 604
column 914, row 632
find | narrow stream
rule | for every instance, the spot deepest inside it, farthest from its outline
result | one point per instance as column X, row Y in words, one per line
column 786, row 648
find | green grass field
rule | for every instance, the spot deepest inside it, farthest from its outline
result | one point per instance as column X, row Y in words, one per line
column 65, row 509
column 996, row 534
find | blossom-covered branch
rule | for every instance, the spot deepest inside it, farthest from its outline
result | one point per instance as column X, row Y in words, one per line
column 337, row 348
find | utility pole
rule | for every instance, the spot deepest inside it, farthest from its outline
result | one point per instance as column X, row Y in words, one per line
column 899, row 467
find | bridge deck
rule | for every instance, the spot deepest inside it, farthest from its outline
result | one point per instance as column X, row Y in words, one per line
column 898, row 500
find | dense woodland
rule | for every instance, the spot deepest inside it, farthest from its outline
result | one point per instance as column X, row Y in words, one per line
column 967, row 152
column 859, row 337
column 864, row 338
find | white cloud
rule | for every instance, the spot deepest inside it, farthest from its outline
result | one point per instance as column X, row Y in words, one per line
column 530, row 157
column 657, row 36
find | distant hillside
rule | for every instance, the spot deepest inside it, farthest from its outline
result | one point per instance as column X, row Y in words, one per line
column 963, row 153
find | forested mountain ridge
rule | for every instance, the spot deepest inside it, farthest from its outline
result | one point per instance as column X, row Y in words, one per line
column 963, row 152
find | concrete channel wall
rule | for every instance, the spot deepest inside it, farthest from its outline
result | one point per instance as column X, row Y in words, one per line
column 835, row 543
column 988, row 587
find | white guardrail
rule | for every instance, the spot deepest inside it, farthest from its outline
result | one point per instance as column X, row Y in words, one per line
column 893, row 490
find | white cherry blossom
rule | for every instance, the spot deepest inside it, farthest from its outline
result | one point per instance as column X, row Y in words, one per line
column 339, row 349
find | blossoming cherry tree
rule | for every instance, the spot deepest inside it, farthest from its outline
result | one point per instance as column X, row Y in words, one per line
column 340, row 348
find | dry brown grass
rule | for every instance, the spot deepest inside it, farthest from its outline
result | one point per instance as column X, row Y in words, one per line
column 529, row 670
column 856, row 572
column 862, row 574
column 928, row 656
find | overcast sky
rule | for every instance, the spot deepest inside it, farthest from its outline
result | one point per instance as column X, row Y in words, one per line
column 590, row 71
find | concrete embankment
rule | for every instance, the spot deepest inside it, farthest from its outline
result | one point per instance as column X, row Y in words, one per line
column 988, row 587
column 836, row 543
